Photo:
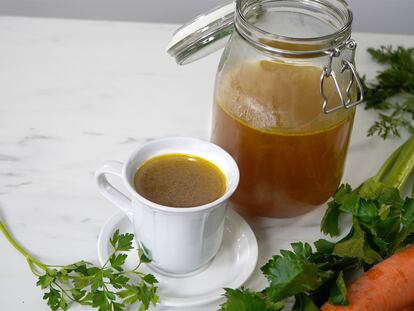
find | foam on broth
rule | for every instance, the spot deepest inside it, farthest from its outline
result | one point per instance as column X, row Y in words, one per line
column 179, row 180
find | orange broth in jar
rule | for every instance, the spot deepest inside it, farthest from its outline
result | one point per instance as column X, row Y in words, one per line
column 291, row 155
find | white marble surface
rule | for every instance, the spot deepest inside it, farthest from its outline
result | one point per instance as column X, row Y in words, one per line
column 76, row 93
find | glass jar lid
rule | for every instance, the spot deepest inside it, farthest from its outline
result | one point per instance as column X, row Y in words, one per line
column 203, row 35
column 208, row 32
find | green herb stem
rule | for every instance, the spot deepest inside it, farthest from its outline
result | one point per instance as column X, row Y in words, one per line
column 64, row 292
column 402, row 167
column 412, row 190
column 20, row 249
column 388, row 164
column 32, row 267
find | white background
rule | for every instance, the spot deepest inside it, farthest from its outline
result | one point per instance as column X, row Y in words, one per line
column 383, row 16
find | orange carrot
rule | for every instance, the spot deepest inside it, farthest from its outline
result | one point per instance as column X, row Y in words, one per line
column 388, row 286
column 408, row 308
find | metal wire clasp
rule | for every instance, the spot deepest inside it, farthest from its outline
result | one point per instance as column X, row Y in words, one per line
column 346, row 65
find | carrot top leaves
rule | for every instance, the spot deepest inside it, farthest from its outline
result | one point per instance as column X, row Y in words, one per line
column 393, row 83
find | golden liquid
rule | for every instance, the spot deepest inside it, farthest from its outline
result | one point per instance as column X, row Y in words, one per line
column 291, row 156
column 179, row 180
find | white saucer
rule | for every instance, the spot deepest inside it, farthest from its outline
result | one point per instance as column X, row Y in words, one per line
column 232, row 266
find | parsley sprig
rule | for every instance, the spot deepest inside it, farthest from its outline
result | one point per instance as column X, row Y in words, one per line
column 382, row 224
column 106, row 288
column 393, row 91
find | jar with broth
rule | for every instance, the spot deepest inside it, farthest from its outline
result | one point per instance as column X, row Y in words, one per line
column 284, row 99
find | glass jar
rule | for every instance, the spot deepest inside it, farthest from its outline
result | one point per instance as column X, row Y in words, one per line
column 284, row 100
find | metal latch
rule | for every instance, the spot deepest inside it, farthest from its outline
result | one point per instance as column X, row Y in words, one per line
column 346, row 65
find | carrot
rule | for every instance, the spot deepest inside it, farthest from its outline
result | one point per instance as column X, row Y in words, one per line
column 408, row 308
column 388, row 286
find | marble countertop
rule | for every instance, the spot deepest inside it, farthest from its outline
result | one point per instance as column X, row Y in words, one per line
column 76, row 93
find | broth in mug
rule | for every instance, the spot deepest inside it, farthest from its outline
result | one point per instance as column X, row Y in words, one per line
column 179, row 180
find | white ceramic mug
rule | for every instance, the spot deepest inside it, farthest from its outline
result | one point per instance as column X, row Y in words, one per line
column 178, row 240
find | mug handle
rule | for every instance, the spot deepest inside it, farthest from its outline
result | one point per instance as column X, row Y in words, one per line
column 109, row 191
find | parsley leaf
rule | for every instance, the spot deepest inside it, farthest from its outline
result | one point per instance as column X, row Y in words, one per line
column 338, row 291
column 117, row 260
column 355, row 245
column 292, row 273
column 53, row 298
column 330, row 221
column 304, row 303
column 106, row 288
column 246, row 300
column 124, row 242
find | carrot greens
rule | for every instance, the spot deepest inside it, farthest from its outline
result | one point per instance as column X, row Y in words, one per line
column 393, row 91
